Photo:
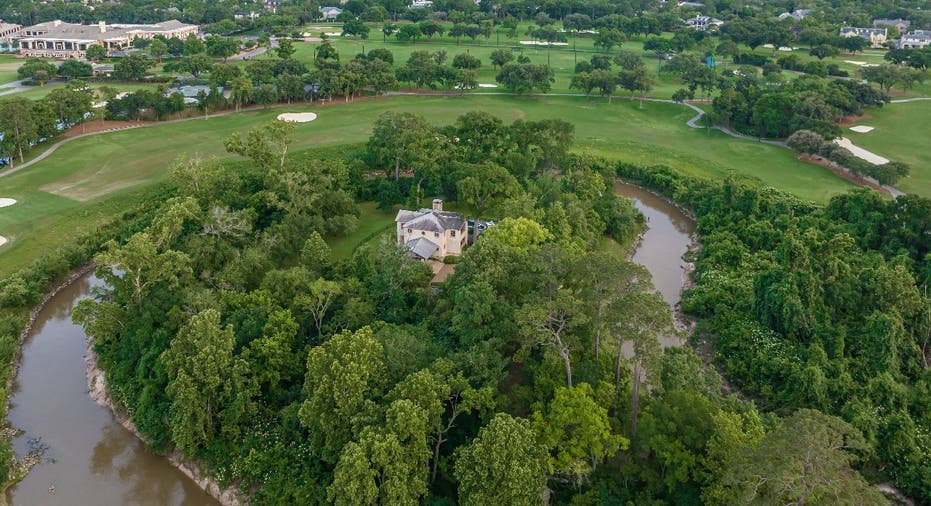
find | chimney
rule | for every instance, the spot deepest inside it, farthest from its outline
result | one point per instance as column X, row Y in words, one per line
column 103, row 26
column 437, row 205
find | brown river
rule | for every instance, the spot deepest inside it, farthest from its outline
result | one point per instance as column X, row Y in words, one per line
column 90, row 459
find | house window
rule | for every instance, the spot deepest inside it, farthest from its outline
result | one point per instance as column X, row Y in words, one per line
column 452, row 233
column 436, row 234
column 423, row 233
column 408, row 231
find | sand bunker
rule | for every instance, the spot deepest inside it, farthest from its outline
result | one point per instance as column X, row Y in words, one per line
column 860, row 152
column 7, row 202
column 3, row 240
column 297, row 117
column 861, row 63
column 862, row 129
column 542, row 43
column 484, row 85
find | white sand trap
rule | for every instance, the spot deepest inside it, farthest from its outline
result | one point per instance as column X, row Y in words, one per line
column 860, row 152
column 485, row 85
column 862, row 129
column 297, row 117
column 3, row 240
column 542, row 43
column 861, row 63
column 7, row 202
column 333, row 34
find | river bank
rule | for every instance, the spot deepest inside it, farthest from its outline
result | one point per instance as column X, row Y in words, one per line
column 98, row 391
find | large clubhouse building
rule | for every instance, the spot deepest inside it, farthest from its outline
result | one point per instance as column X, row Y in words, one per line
column 57, row 39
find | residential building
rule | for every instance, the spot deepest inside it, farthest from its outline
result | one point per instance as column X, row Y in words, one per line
column 421, row 4
column 330, row 13
column 915, row 39
column 432, row 233
column 704, row 23
column 797, row 14
column 901, row 24
column 57, row 39
column 694, row 5
column 876, row 36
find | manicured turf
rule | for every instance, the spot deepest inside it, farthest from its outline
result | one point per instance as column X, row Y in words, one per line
column 8, row 66
column 372, row 223
column 95, row 174
column 901, row 134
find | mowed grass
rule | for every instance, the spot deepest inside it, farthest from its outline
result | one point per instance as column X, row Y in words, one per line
column 8, row 66
column 372, row 223
column 92, row 177
column 901, row 134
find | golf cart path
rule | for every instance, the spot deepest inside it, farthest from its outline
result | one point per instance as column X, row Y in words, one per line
column 691, row 123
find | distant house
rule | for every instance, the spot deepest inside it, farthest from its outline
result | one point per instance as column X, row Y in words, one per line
column 704, row 23
column 915, row 39
column 694, row 5
column 421, row 4
column 901, row 24
column 435, row 233
column 330, row 13
column 876, row 36
column 103, row 70
column 797, row 14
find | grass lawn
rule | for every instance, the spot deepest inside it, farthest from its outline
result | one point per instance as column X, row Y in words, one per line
column 88, row 178
column 8, row 66
column 38, row 92
column 372, row 223
column 901, row 134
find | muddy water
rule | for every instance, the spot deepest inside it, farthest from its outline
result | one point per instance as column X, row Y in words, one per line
column 665, row 241
column 90, row 458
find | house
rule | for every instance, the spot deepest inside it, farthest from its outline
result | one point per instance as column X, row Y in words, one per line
column 57, row 39
column 103, row 70
column 432, row 233
column 694, row 5
column 876, row 36
column 704, row 23
column 915, row 39
column 421, row 4
column 330, row 13
column 797, row 14
column 901, row 24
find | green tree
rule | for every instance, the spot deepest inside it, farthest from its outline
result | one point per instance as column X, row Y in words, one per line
column 195, row 64
column 388, row 465
column 158, row 49
column 504, row 464
column 193, row 45
column 73, row 69
column 132, row 68
column 39, row 71
column 95, row 52
column 285, row 49
column 399, row 141
column 345, row 375
column 806, row 459
column 577, row 433
column 486, row 184
column 526, row 77
column 501, row 57
column 241, row 93
column 200, row 364
column 142, row 266
column 18, row 125
column 608, row 38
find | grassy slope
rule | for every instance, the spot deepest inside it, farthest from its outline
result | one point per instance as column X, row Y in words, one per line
column 901, row 134
column 97, row 175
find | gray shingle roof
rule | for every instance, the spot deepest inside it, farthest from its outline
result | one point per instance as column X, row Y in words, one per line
column 430, row 220
column 422, row 247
